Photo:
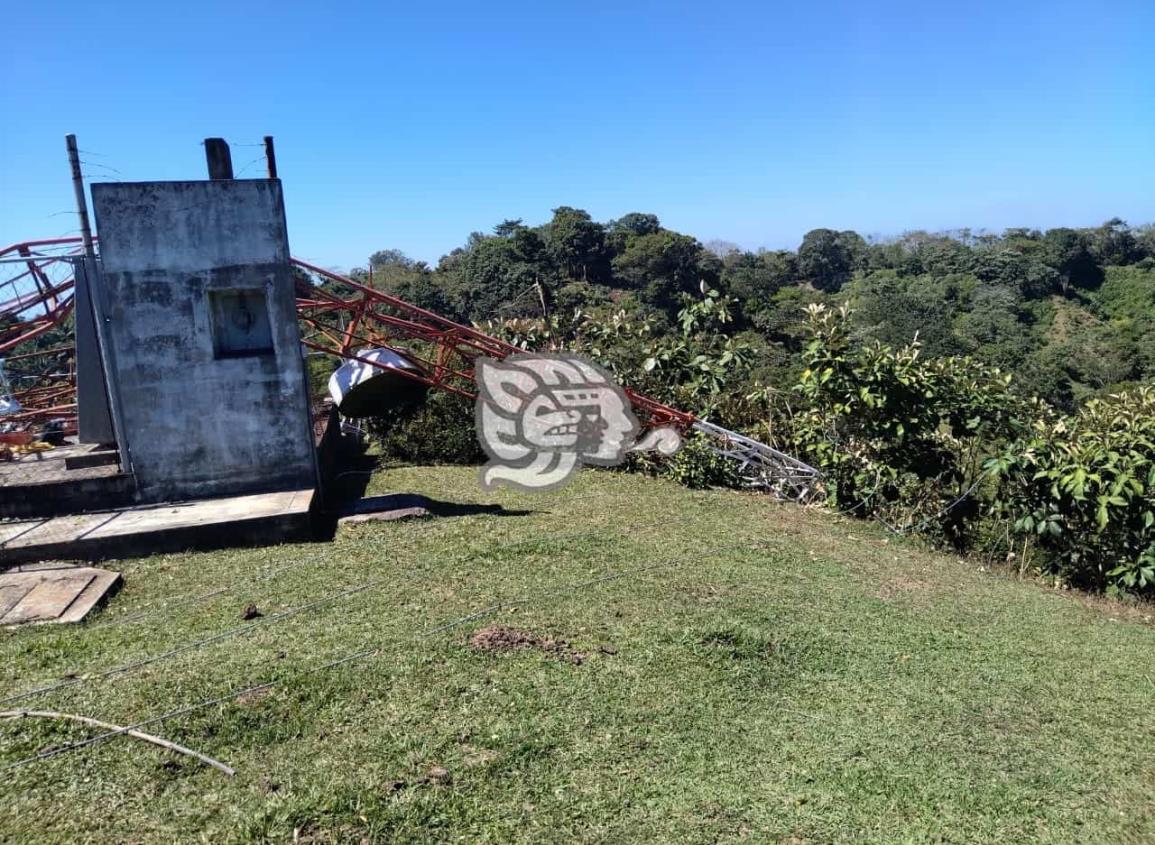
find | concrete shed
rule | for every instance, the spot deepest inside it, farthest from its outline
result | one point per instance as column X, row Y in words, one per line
column 205, row 353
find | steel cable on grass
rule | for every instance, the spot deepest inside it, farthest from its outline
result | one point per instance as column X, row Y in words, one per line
column 187, row 598
column 154, row 607
column 348, row 658
column 168, row 604
column 159, row 605
column 245, row 629
column 187, row 647
column 164, row 604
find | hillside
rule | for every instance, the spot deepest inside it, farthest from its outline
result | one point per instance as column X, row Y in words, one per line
column 1067, row 311
column 992, row 392
column 673, row 666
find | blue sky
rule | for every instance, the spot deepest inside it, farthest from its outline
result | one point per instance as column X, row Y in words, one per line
column 409, row 125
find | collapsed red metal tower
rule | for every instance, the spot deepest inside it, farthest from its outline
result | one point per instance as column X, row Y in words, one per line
column 339, row 317
column 444, row 350
column 338, row 321
column 36, row 298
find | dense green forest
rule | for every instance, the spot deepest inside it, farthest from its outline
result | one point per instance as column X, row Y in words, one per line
column 989, row 392
column 1070, row 312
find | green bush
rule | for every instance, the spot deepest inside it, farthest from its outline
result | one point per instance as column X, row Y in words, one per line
column 896, row 435
column 1083, row 487
column 697, row 466
column 437, row 430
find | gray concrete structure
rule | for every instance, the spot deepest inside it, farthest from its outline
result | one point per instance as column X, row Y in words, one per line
column 92, row 408
column 209, row 382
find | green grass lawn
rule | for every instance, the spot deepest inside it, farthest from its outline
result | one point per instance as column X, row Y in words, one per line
column 758, row 672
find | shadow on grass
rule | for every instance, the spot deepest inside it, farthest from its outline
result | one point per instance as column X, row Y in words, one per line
column 347, row 469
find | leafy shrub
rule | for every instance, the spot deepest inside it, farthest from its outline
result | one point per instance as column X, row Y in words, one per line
column 438, row 430
column 1084, row 487
column 898, row 436
column 697, row 466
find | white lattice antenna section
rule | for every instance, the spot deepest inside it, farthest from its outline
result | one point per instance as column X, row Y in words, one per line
column 762, row 466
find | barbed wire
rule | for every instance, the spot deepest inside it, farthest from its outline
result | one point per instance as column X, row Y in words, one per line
column 192, row 646
column 82, row 677
column 101, row 166
column 247, row 166
column 915, row 528
column 360, row 654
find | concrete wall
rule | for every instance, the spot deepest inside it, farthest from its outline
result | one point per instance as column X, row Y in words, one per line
column 93, row 412
column 198, row 421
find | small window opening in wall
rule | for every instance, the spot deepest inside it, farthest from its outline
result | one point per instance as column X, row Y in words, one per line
column 240, row 323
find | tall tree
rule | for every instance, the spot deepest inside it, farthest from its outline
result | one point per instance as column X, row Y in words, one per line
column 576, row 243
column 663, row 265
column 498, row 275
column 828, row 258
column 1114, row 243
column 723, row 249
column 619, row 231
column 754, row 277
column 1068, row 251
column 636, row 223
column 396, row 273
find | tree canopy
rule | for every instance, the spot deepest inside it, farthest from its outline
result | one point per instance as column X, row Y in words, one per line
column 1069, row 311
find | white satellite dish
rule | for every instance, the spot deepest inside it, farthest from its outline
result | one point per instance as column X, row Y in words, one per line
column 375, row 383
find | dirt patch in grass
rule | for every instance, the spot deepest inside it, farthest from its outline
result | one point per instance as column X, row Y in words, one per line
column 904, row 587
column 497, row 639
column 436, row 776
column 253, row 698
column 706, row 593
column 478, row 756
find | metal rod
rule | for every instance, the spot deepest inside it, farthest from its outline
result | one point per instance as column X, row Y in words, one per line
column 42, row 259
column 81, row 200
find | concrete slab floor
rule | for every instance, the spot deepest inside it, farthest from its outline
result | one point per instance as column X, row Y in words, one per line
column 142, row 530
column 49, row 467
column 385, row 508
column 52, row 594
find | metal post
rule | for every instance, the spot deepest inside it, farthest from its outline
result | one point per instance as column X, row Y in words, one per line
column 81, row 201
column 271, row 156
